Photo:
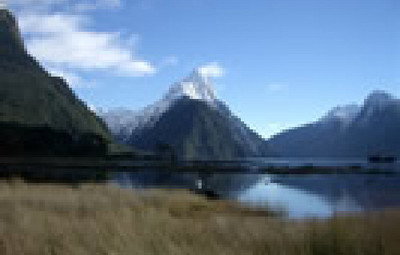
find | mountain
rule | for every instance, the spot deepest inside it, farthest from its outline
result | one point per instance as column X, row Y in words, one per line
column 344, row 115
column 40, row 114
column 347, row 131
column 123, row 122
column 191, row 121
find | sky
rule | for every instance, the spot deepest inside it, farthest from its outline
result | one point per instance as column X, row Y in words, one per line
column 277, row 63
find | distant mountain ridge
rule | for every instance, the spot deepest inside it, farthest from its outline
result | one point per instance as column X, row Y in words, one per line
column 190, row 119
column 348, row 131
column 33, row 102
column 343, row 114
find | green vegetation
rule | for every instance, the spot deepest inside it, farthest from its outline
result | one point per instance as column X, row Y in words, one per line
column 95, row 219
column 195, row 130
column 31, row 99
column 45, row 141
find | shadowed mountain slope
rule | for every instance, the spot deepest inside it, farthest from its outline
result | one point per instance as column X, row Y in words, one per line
column 31, row 99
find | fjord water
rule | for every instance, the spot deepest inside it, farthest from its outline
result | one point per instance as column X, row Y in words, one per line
column 323, row 195
column 296, row 195
column 352, row 189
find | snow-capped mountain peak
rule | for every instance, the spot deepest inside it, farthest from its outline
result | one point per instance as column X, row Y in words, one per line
column 375, row 102
column 196, row 86
column 345, row 114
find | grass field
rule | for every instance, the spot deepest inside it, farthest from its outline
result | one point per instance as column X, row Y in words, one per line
column 96, row 219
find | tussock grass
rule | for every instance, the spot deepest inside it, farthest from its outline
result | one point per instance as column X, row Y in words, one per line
column 96, row 219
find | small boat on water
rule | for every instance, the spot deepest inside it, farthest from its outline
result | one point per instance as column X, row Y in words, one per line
column 381, row 159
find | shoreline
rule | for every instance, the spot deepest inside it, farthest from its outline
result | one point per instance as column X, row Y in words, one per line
column 133, row 165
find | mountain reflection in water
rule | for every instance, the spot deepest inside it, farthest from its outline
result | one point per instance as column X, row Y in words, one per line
column 319, row 195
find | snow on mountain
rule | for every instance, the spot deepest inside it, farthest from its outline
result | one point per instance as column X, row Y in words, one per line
column 196, row 86
column 119, row 120
column 345, row 114
column 123, row 121
column 347, row 131
column 197, row 125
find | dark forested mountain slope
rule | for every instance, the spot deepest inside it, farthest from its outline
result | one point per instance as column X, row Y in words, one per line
column 190, row 120
column 33, row 102
column 195, row 130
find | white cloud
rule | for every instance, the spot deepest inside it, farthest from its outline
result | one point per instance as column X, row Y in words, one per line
column 73, row 80
column 76, row 5
column 93, row 108
column 136, row 68
column 275, row 87
column 212, row 70
column 63, row 40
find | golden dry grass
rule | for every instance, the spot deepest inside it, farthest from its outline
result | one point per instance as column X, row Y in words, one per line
column 95, row 219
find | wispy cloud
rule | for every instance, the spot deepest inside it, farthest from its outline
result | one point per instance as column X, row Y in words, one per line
column 73, row 79
column 63, row 40
column 59, row 34
column 71, row 5
column 212, row 70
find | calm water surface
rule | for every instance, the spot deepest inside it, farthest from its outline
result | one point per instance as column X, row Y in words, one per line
column 299, row 196
column 324, row 195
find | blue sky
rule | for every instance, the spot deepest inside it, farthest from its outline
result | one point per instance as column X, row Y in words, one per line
column 284, row 62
